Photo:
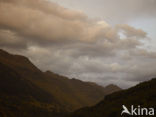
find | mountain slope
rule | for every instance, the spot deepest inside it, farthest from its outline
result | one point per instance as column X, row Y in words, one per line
column 143, row 94
column 75, row 92
column 111, row 88
column 70, row 93
column 20, row 98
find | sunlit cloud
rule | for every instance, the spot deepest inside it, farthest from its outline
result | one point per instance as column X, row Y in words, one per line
column 68, row 42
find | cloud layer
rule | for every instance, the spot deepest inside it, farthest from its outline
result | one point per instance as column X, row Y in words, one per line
column 113, row 11
column 69, row 43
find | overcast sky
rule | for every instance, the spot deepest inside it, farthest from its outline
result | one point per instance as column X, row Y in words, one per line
column 103, row 41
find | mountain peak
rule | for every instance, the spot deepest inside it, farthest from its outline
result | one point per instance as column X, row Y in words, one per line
column 4, row 54
column 19, row 62
column 71, row 93
column 142, row 94
column 113, row 86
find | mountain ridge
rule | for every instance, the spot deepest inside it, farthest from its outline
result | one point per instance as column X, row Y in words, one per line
column 143, row 94
column 18, row 97
column 69, row 94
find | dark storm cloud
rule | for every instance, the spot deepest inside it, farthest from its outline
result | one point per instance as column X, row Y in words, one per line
column 68, row 42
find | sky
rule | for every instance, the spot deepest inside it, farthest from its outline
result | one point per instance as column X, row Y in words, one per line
column 102, row 41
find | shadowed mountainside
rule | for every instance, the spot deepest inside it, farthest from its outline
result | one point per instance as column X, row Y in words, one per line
column 20, row 98
column 143, row 94
column 69, row 90
column 30, row 90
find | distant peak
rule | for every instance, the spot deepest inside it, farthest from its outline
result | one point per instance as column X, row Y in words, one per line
column 112, row 88
column 48, row 72
column 112, row 85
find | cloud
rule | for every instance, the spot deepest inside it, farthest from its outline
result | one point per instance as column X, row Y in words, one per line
column 130, row 31
column 36, row 24
column 11, row 40
column 116, row 12
column 69, row 43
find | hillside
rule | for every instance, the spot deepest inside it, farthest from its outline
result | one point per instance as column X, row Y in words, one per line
column 20, row 98
column 76, row 92
column 69, row 94
column 144, row 94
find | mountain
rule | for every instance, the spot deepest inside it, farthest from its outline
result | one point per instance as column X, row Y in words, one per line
column 53, row 93
column 76, row 93
column 111, row 88
column 143, row 95
column 20, row 98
